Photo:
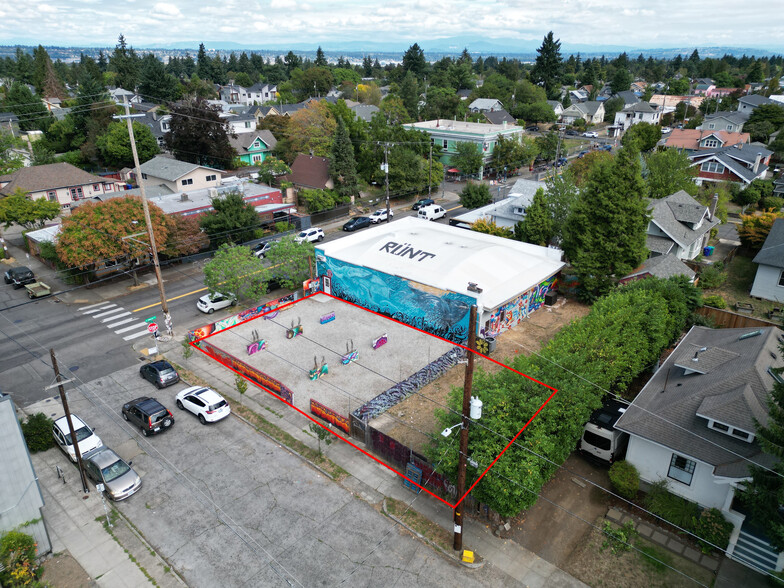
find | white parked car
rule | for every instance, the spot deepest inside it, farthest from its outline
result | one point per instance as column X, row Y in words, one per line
column 209, row 303
column 432, row 212
column 380, row 215
column 311, row 235
column 85, row 436
column 666, row 130
column 592, row 134
column 205, row 403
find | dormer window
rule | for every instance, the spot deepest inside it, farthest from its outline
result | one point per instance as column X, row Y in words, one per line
column 730, row 430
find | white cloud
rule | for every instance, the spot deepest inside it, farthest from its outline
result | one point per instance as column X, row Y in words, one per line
column 166, row 8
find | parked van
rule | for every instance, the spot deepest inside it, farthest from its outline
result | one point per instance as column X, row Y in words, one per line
column 601, row 441
column 432, row 212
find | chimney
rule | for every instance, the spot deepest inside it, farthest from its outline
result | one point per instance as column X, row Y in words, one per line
column 713, row 205
column 184, row 197
column 757, row 162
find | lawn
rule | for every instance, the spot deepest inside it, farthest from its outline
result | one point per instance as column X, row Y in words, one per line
column 740, row 274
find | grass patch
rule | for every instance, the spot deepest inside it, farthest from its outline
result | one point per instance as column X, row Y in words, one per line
column 420, row 524
column 740, row 273
column 653, row 557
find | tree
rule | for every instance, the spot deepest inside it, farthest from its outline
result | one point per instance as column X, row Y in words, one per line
column 235, row 269
column 98, row 231
column 645, row 135
column 537, row 112
column 321, row 60
column 291, row 263
column 561, row 196
column 468, row 158
column 754, row 228
column 489, row 227
column 9, row 160
column 410, row 172
column 32, row 113
column 613, row 106
column 548, row 66
column 115, row 144
column 45, row 79
column 271, row 168
column 475, row 195
column 198, row 134
column 233, row 220
column 414, row 61
column 124, row 63
column 19, row 209
column 314, row 81
column 621, row 81
column 342, row 166
column 604, row 237
column 547, row 145
column 154, row 83
column 185, row 236
column 537, row 226
column 310, row 130
column 669, row 171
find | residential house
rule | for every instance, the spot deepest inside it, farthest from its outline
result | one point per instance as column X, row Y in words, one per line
column 58, row 182
column 747, row 104
column 639, row 87
column 221, row 106
column 499, row 117
column 592, row 112
column 52, row 103
column 179, row 175
column 448, row 133
column 580, row 95
column 234, row 94
column 778, row 187
column 740, row 163
column 636, row 113
column 253, row 148
column 629, row 98
column 9, row 122
column 364, row 112
column 504, row 213
column 720, row 92
column 769, row 280
column 693, row 424
column 485, row 105
column 722, row 120
column 777, row 98
column 704, row 89
column 695, row 139
column 260, row 112
column 241, row 123
column 464, row 94
column 119, row 95
column 289, row 109
column 310, row 172
column 158, row 123
column 261, row 93
column 556, row 106
column 679, row 226
column 661, row 266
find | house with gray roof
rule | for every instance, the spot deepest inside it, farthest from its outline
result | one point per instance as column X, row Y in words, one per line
column 506, row 212
column 722, row 120
column 261, row 93
column 253, row 148
column 244, row 122
column 747, row 104
column 693, row 424
column 637, row 113
column 485, row 105
column 556, row 106
column 9, row 122
column 629, row 98
column 661, row 266
column 678, row 225
column 591, row 111
column 769, row 280
column 158, row 123
column 499, row 117
column 364, row 111
column 739, row 163
column 179, row 175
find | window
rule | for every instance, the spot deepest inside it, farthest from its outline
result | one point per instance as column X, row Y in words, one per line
column 730, row 128
column 681, row 469
column 52, row 195
column 712, row 167
column 76, row 193
column 108, row 187
column 144, row 176
column 211, row 178
column 741, row 434
column 247, row 124
column 165, row 126
column 710, row 143
column 256, row 158
column 445, row 142
column 711, row 125
column 96, row 187
column 720, row 427
column 187, row 182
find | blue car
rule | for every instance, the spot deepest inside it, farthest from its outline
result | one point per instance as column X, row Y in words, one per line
column 359, row 222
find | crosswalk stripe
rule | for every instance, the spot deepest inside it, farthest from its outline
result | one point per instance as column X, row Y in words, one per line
column 104, row 307
column 118, row 323
column 118, row 331
column 135, row 335
column 83, row 308
column 108, row 312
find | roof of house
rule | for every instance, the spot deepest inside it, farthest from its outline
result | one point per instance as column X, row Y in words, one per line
column 484, row 104
column 554, row 104
column 772, row 252
column 660, row 245
column 499, row 117
column 169, row 169
column 505, row 213
column 691, row 138
column 261, row 86
column 642, row 107
column 8, row 117
column 677, row 213
column 736, row 158
column 590, row 107
column 734, row 116
column 459, row 126
column 628, row 97
column 309, row 171
column 243, row 141
column 755, row 100
column 663, row 266
column 49, row 177
column 289, row 109
column 365, row 111
column 718, row 374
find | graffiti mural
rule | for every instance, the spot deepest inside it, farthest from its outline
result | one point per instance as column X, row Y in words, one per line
column 508, row 315
column 329, row 317
column 268, row 307
column 329, row 415
column 445, row 314
column 382, row 340
column 317, row 371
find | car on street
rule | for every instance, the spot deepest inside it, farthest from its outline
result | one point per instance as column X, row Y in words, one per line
column 380, row 215
column 118, row 477
column 209, row 303
column 605, row 148
column 572, row 133
column 205, row 403
column 582, row 154
column 592, row 134
column 422, row 202
column 19, row 276
column 532, row 129
column 666, row 130
column 560, row 162
column 161, row 373
column 358, row 222
column 262, row 249
column 310, row 235
column 148, row 414
column 85, row 436
column 431, row 213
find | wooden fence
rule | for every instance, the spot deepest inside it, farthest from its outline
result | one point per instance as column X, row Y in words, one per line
column 727, row 319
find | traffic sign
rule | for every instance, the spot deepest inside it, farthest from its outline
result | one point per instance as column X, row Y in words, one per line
column 152, row 327
column 149, row 320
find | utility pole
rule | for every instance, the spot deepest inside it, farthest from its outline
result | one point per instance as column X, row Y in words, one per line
column 430, row 171
column 386, row 174
column 461, row 465
column 64, row 399
column 153, row 249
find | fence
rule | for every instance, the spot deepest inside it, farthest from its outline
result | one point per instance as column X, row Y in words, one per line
column 726, row 319
column 329, row 215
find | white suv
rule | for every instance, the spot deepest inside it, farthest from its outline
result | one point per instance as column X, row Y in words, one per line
column 209, row 303
column 380, row 215
column 311, row 235
column 85, row 436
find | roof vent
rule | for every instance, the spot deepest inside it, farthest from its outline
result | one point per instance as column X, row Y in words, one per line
column 749, row 335
column 472, row 287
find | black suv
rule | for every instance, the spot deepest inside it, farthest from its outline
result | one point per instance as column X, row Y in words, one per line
column 148, row 414
column 421, row 203
column 19, row 276
column 160, row 373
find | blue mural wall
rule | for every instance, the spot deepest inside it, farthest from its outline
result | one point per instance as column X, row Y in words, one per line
column 507, row 316
column 445, row 315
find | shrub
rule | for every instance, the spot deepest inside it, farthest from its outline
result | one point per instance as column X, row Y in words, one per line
column 711, row 277
column 18, row 559
column 37, row 431
column 618, row 540
column 773, row 202
column 625, row 479
column 715, row 301
column 672, row 508
column 713, row 528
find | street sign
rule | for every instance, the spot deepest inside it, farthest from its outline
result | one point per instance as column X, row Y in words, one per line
column 152, row 327
column 149, row 320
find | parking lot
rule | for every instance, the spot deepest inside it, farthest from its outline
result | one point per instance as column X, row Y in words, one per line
column 226, row 506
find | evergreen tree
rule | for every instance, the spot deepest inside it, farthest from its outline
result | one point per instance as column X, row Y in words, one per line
column 199, row 135
column 124, row 63
column 31, row 111
column 203, row 64
column 155, row 83
column 342, row 166
column 23, row 67
column 45, row 80
column 548, row 66
column 537, row 226
column 604, row 237
column 414, row 61
column 321, row 60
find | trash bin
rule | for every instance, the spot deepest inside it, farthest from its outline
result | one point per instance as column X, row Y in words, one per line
column 490, row 344
column 707, row 251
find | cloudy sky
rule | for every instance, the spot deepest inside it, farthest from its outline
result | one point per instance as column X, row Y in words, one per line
column 632, row 23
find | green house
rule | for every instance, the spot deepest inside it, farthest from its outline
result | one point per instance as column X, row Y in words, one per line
column 253, row 148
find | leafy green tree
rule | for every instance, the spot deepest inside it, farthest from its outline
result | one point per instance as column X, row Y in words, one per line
column 154, row 83
column 115, row 144
column 42, row 154
column 408, row 91
column 318, row 200
column 561, row 196
column 537, row 226
column 342, row 166
column 621, row 81
column 613, row 106
column 489, row 227
column 527, row 93
column 204, row 64
column 547, row 145
column 604, row 237
column 548, row 66
column 45, row 79
column 467, row 158
column 272, row 168
column 644, row 135
column 475, row 195
column 669, row 171
column 314, row 81
column 311, row 129
column 291, row 263
column 199, row 135
column 235, row 269
column 9, row 160
column 754, row 228
column 506, row 153
column 185, row 236
column 125, row 64
column 19, row 209
column 410, row 172
column 32, row 113
column 233, row 220
column 414, row 61
column 537, row 112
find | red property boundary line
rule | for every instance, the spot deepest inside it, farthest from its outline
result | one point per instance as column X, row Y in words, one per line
column 348, row 441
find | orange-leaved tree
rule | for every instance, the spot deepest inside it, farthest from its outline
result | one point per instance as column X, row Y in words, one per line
column 754, row 228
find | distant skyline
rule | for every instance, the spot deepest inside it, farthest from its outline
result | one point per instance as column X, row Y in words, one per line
column 632, row 23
